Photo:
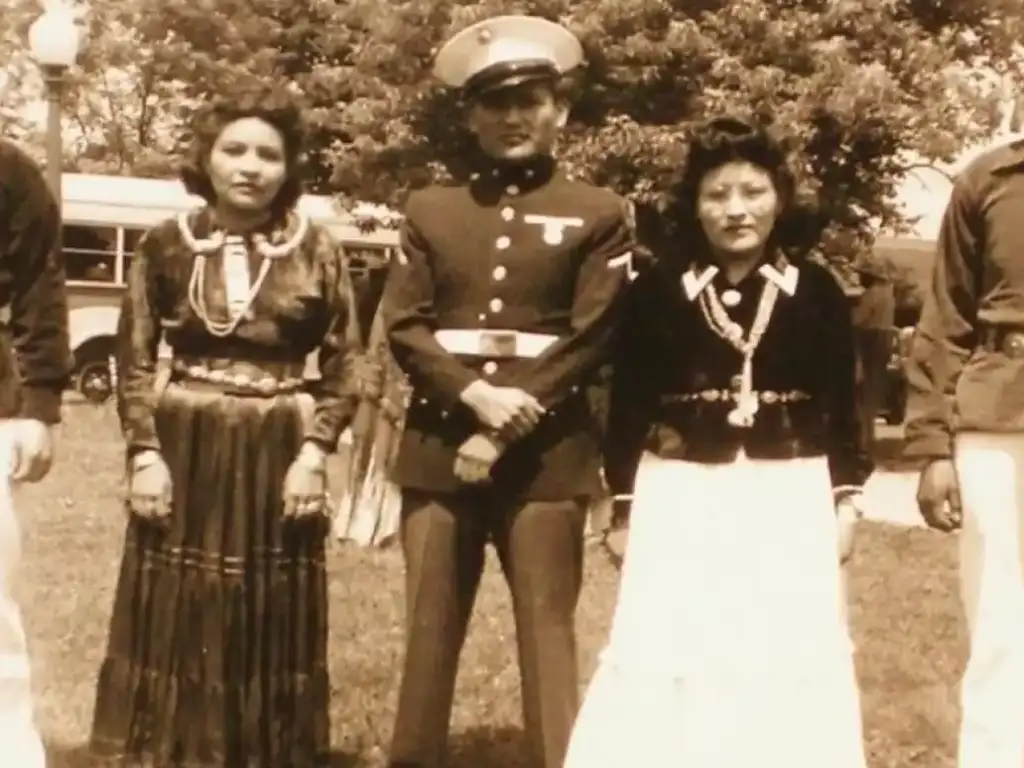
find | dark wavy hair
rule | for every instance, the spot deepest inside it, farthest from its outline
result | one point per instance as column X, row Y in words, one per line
column 727, row 139
column 273, row 104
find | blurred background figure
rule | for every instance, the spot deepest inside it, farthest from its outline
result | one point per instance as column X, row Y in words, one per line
column 368, row 502
column 874, row 314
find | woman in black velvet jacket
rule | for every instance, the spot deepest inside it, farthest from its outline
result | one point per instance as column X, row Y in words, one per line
column 729, row 645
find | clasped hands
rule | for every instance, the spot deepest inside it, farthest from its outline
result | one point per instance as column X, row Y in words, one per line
column 304, row 491
column 507, row 414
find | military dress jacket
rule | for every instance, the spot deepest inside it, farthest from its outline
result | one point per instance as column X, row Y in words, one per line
column 516, row 278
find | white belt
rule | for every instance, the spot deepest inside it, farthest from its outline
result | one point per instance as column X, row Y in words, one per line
column 493, row 343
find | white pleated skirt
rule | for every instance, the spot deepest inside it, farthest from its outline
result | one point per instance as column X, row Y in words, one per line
column 729, row 646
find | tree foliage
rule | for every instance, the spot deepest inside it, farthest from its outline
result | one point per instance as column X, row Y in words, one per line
column 860, row 88
column 17, row 72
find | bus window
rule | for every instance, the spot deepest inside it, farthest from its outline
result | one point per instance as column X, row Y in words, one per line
column 132, row 237
column 90, row 253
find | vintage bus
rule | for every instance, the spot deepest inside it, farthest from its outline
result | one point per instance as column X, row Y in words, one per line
column 104, row 218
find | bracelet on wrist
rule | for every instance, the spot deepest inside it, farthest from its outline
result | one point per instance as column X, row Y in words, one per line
column 143, row 459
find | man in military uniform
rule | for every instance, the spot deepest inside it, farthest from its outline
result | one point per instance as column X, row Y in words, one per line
column 965, row 423
column 501, row 308
column 35, row 363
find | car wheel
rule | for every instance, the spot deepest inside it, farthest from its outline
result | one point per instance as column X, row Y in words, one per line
column 95, row 383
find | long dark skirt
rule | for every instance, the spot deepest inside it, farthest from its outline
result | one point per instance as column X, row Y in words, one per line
column 217, row 649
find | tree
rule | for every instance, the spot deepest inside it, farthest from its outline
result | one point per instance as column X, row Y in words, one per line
column 863, row 89
column 314, row 44
column 125, row 103
column 121, row 103
column 16, row 71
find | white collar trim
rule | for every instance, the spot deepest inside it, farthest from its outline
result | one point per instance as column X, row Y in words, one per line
column 786, row 279
column 694, row 283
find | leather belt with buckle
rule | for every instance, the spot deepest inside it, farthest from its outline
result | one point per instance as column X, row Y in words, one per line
column 493, row 343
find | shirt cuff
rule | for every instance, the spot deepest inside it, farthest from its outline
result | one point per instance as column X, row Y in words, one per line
column 851, row 495
column 927, row 448
column 41, row 404
column 140, row 444
column 847, row 494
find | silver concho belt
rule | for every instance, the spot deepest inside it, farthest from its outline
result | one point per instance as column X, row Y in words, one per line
column 766, row 396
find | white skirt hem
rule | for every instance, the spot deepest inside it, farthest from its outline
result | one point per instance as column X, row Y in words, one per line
column 729, row 646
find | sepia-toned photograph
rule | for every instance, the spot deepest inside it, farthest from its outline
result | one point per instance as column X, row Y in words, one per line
column 511, row 384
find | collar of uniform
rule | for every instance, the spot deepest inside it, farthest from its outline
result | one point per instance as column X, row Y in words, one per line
column 522, row 176
column 695, row 280
column 1012, row 157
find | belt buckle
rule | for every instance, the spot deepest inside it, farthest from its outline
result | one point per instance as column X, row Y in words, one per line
column 498, row 344
column 1013, row 344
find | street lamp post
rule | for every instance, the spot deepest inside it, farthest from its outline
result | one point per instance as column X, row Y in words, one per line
column 54, row 41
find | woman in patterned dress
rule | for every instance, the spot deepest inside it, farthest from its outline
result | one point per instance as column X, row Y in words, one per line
column 729, row 646
column 216, row 655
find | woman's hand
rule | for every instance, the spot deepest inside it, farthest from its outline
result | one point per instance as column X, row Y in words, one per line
column 305, row 485
column 149, row 487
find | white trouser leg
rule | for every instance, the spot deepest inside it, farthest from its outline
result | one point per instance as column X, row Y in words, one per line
column 991, row 471
column 19, row 738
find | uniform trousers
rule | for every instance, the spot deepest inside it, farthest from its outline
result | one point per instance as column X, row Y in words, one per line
column 19, row 736
column 991, row 474
column 540, row 548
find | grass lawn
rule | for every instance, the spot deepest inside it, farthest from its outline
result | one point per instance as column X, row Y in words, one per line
column 906, row 617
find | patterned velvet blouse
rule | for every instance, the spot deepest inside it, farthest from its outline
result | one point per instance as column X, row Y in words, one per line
column 305, row 303
column 675, row 379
